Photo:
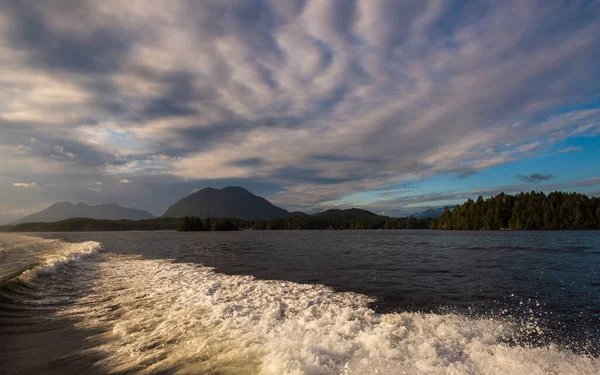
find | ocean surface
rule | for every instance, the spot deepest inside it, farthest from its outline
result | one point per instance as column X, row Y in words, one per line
column 300, row 302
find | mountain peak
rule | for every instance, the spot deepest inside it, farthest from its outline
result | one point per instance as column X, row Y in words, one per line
column 206, row 189
column 231, row 201
column 227, row 188
column 235, row 188
column 58, row 204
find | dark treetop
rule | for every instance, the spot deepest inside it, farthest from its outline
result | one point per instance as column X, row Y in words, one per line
column 557, row 210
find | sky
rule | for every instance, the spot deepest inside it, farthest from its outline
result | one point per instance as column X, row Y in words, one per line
column 392, row 106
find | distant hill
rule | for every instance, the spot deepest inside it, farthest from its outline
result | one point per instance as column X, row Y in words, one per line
column 431, row 213
column 65, row 210
column 232, row 201
column 353, row 218
column 348, row 214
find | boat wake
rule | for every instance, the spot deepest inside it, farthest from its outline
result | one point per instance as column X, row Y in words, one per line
column 159, row 316
column 165, row 316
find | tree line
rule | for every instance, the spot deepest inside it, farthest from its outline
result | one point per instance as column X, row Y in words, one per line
column 82, row 224
column 197, row 224
column 524, row 211
column 220, row 224
column 315, row 222
column 302, row 223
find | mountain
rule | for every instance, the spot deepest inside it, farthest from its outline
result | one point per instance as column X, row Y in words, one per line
column 232, row 201
column 431, row 213
column 65, row 210
column 349, row 214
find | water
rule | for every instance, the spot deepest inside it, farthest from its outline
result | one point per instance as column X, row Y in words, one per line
column 307, row 302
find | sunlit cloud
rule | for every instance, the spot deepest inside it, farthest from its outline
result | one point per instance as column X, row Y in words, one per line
column 59, row 150
column 570, row 149
column 25, row 184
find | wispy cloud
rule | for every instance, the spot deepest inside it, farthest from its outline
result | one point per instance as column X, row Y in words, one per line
column 60, row 150
column 535, row 177
column 25, row 184
column 570, row 149
column 124, row 181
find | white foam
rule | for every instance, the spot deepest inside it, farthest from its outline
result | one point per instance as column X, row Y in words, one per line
column 171, row 316
column 47, row 255
column 69, row 253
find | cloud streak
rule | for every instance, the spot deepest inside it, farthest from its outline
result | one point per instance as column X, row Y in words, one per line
column 25, row 184
column 570, row 149
column 535, row 177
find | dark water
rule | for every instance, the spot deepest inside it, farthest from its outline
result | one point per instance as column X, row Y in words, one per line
column 417, row 302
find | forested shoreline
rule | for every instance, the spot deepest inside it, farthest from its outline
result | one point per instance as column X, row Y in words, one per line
column 304, row 223
column 82, row 224
column 524, row 211
column 222, row 224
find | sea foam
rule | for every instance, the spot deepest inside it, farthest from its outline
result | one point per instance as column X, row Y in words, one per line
column 67, row 254
column 158, row 315
column 31, row 256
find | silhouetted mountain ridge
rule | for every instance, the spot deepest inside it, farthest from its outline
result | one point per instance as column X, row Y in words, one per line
column 232, row 201
column 66, row 210
column 430, row 213
column 347, row 214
